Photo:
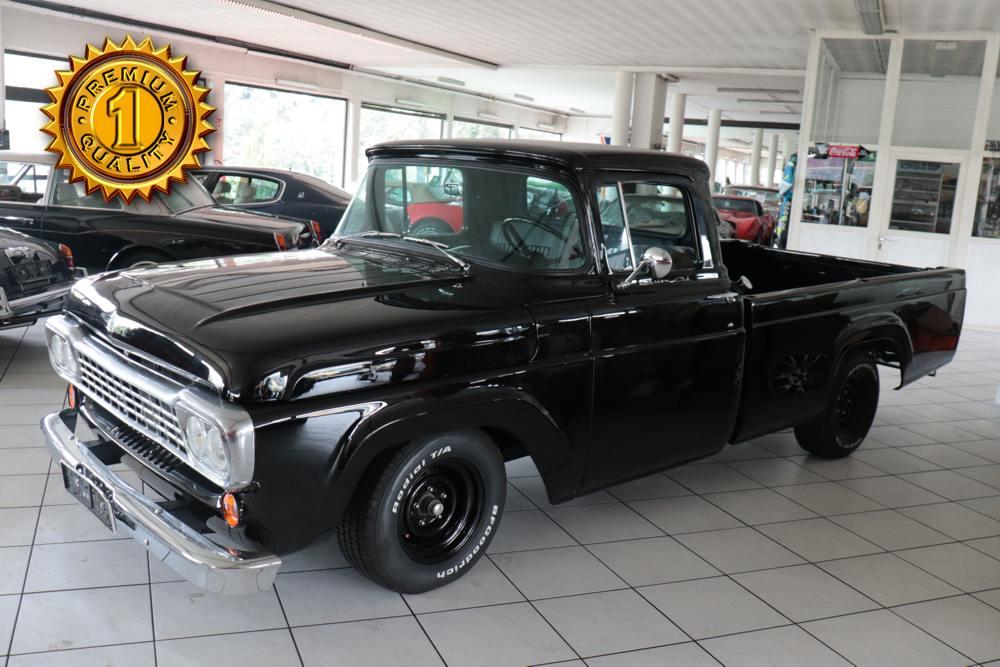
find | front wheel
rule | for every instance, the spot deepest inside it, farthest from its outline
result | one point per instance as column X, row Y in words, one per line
column 424, row 517
column 844, row 424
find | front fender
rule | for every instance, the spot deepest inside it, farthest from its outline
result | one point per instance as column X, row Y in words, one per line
column 308, row 467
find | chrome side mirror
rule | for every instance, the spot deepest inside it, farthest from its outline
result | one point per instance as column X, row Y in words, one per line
column 655, row 260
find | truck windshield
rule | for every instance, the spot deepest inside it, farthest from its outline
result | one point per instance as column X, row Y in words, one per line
column 500, row 216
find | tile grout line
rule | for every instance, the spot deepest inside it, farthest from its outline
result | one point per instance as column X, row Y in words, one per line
column 288, row 625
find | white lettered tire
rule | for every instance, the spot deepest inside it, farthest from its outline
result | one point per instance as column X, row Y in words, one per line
column 422, row 518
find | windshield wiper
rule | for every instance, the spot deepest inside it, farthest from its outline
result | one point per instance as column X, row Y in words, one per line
column 440, row 247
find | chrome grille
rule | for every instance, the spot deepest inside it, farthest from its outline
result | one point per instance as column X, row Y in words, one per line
column 135, row 407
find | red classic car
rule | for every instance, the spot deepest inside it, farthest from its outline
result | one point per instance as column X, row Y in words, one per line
column 749, row 219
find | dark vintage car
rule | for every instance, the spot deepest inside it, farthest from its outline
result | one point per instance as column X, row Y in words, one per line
column 376, row 385
column 35, row 277
column 186, row 224
column 277, row 191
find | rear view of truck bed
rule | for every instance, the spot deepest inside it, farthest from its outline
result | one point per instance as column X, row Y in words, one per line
column 804, row 311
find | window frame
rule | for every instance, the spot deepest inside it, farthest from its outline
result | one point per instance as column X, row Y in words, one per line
column 470, row 121
column 702, row 241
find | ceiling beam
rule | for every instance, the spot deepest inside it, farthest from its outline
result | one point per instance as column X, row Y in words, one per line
column 674, row 69
column 322, row 20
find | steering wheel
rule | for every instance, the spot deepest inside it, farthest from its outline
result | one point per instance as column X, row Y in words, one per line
column 517, row 241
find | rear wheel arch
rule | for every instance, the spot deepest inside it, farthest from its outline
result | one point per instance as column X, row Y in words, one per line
column 885, row 337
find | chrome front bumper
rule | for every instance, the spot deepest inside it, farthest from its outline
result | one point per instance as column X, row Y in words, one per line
column 187, row 552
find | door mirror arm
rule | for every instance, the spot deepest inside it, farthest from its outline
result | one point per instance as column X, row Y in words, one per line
column 655, row 261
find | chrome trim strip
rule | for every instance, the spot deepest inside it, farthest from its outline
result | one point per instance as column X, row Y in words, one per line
column 187, row 552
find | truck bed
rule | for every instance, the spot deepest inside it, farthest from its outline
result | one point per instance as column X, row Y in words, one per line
column 802, row 311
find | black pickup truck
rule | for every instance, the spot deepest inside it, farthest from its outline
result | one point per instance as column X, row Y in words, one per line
column 583, row 314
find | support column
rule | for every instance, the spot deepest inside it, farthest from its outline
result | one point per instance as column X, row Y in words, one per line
column 3, row 80
column 216, row 140
column 758, row 145
column 659, row 112
column 772, row 160
column 642, row 110
column 675, row 136
column 712, row 142
column 624, row 83
column 354, row 162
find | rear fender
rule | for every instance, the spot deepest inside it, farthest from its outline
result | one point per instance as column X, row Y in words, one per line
column 880, row 331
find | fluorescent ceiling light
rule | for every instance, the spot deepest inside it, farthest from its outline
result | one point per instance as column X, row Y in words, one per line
column 296, row 84
column 450, row 81
column 488, row 116
column 548, row 126
column 526, row 98
column 780, row 113
column 405, row 101
column 870, row 12
column 577, row 110
column 775, row 91
column 749, row 100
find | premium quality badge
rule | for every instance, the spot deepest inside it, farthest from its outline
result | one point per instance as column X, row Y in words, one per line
column 128, row 119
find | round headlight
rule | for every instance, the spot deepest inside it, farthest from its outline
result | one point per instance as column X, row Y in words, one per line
column 205, row 444
column 61, row 355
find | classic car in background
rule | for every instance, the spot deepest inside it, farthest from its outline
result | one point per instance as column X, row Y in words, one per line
column 40, row 201
column 747, row 216
column 34, row 276
column 768, row 197
column 279, row 192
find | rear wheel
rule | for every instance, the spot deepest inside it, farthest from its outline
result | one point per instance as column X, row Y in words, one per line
column 845, row 422
column 424, row 517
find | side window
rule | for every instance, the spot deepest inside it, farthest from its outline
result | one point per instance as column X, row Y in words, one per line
column 241, row 189
column 657, row 215
column 616, row 242
column 23, row 182
column 75, row 194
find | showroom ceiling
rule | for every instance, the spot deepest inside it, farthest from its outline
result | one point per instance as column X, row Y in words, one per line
column 560, row 54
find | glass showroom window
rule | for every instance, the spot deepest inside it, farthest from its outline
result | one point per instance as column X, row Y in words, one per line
column 468, row 129
column 938, row 91
column 987, row 220
column 529, row 133
column 315, row 140
column 26, row 78
column 380, row 124
column 840, row 171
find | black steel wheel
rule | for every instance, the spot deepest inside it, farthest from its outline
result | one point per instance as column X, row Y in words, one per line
column 424, row 516
column 843, row 425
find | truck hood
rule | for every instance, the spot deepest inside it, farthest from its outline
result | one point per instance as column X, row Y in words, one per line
column 309, row 314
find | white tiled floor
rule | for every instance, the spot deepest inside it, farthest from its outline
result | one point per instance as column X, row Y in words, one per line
column 762, row 556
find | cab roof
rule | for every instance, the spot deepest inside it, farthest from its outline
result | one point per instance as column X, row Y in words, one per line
column 569, row 154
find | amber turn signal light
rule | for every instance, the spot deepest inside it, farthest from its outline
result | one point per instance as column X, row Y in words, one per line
column 67, row 255
column 280, row 241
column 316, row 230
column 71, row 397
column 230, row 510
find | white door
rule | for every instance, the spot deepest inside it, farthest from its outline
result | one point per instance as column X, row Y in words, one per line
column 922, row 219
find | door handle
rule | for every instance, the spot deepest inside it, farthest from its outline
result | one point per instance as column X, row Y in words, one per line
column 11, row 218
column 728, row 297
column 881, row 240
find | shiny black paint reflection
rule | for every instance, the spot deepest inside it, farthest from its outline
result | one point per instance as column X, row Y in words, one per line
column 597, row 385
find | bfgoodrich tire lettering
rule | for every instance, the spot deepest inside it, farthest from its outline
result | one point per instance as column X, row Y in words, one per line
column 424, row 517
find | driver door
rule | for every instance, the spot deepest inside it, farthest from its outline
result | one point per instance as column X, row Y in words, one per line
column 667, row 353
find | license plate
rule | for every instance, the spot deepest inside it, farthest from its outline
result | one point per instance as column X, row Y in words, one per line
column 90, row 495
